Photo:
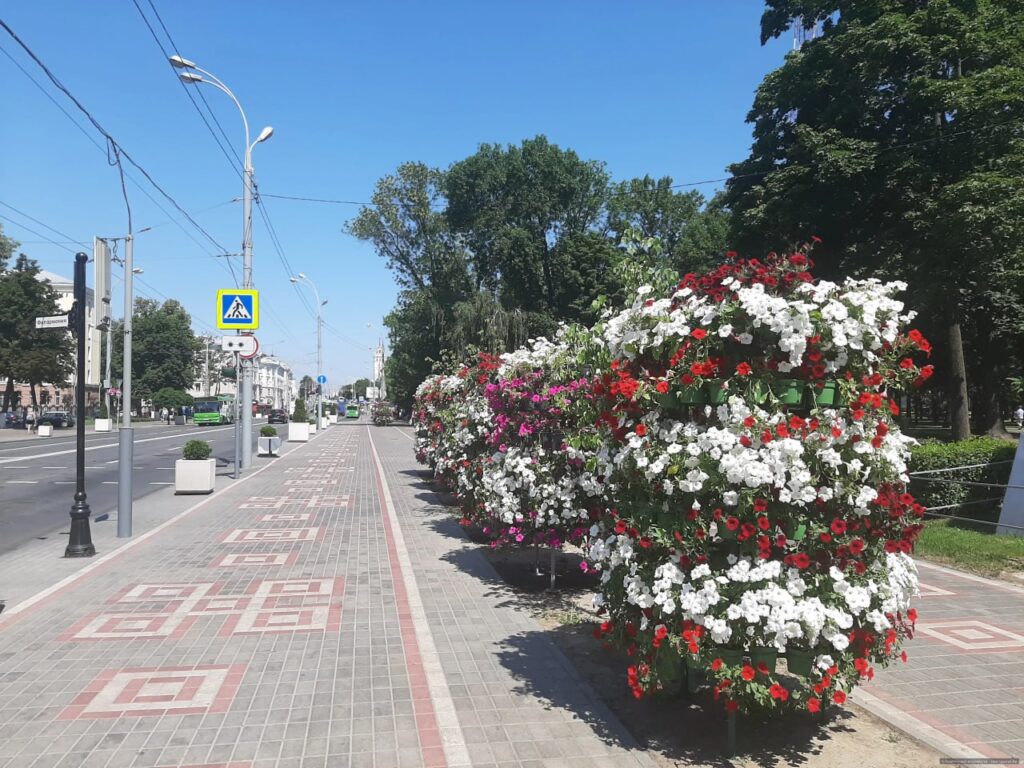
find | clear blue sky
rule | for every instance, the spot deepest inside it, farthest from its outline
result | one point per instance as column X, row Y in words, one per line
column 352, row 89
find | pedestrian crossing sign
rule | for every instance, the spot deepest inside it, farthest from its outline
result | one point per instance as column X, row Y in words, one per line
column 238, row 309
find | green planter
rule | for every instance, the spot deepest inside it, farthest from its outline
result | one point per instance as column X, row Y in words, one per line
column 764, row 655
column 788, row 391
column 731, row 657
column 667, row 401
column 829, row 394
column 717, row 392
column 800, row 661
column 692, row 395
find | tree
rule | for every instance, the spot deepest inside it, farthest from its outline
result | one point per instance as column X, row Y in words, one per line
column 896, row 137
column 29, row 354
column 359, row 387
column 515, row 206
column 307, row 387
column 171, row 398
column 300, row 414
column 163, row 348
column 692, row 231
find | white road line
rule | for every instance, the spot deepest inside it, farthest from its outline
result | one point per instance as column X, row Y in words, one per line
column 22, row 482
column 63, row 482
column 403, row 433
column 52, row 467
column 109, row 482
column 158, row 467
column 107, row 445
column 113, row 461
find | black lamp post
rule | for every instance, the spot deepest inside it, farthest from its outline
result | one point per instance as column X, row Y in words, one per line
column 80, row 542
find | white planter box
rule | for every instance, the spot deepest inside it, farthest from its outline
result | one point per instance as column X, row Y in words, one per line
column 194, row 476
column 324, row 422
column 298, row 432
column 332, row 418
column 312, row 429
column 268, row 446
column 102, row 425
column 45, row 430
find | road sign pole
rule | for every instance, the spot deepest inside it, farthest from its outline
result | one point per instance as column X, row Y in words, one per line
column 126, row 435
column 80, row 540
column 238, row 423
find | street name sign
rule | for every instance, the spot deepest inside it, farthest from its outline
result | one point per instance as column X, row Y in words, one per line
column 54, row 321
column 238, row 309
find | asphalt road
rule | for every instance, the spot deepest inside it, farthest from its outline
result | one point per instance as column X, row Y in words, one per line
column 37, row 475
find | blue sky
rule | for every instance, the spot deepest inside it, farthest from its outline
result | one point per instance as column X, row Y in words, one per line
column 352, row 90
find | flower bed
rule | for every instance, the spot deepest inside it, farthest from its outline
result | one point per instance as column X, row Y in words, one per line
column 735, row 453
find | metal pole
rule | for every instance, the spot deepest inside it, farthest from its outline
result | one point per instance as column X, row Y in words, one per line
column 319, row 367
column 246, row 368
column 80, row 540
column 206, row 346
column 106, row 370
column 238, row 424
column 126, row 435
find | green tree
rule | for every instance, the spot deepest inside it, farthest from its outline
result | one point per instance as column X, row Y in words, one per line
column 307, row 387
column 693, row 232
column 28, row 354
column 896, row 137
column 515, row 206
column 164, row 348
column 167, row 397
column 359, row 387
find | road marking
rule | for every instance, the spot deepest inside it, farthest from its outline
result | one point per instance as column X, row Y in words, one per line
column 22, row 482
column 161, row 483
column 108, row 445
column 63, row 482
column 168, row 468
column 109, row 482
column 96, row 467
column 52, row 467
column 113, row 461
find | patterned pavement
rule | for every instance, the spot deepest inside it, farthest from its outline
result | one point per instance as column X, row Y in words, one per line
column 318, row 613
column 962, row 690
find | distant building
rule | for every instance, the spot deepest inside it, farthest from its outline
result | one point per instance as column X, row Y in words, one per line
column 380, row 390
column 273, row 383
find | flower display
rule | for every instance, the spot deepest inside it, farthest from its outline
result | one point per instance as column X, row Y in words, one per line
column 730, row 457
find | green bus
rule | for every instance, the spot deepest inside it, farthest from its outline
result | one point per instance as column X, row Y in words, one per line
column 219, row 409
column 352, row 411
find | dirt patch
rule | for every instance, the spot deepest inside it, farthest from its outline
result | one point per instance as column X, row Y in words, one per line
column 676, row 731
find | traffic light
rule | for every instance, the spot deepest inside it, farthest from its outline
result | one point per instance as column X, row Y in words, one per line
column 229, row 373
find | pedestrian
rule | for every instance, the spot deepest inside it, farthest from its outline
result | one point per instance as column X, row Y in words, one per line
column 1018, row 416
column 168, row 413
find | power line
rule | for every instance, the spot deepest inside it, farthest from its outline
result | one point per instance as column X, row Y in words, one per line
column 317, row 200
column 56, row 231
column 102, row 149
column 113, row 145
column 39, row 234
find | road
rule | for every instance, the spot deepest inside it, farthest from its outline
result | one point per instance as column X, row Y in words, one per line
column 37, row 475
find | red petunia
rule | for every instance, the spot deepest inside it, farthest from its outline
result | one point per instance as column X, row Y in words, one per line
column 641, row 429
column 839, row 697
column 748, row 673
column 744, row 369
column 838, row 527
column 760, row 505
column 698, row 333
column 813, row 705
column 662, row 387
column 779, row 692
column 716, row 665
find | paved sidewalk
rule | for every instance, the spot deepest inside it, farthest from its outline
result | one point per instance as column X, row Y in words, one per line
column 962, row 690
column 314, row 614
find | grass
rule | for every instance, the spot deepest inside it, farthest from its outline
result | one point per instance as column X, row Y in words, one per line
column 984, row 553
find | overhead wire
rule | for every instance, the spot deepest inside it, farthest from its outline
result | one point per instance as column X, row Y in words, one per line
column 39, row 234
column 43, row 224
column 113, row 146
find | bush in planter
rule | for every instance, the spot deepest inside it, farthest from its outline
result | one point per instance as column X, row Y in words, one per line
column 268, row 431
column 196, row 450
column 299, row 414
column 763, row 522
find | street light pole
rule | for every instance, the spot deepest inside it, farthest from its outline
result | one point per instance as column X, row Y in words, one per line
column 319, row 344
column 245, row 368
column 126, row 435
column 80, row 539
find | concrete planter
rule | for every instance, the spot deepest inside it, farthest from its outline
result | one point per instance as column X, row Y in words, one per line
column 45, row 430
column 179, row 421
column 194, row 476
column 312, row 428
column 332, row 418
column 298, row 432
column 103, row 425
column 324, row 422
column 268, row 446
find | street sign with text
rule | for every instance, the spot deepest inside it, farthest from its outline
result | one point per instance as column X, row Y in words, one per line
column 54, row 321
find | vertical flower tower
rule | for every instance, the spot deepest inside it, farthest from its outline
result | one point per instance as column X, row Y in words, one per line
column 757, row 484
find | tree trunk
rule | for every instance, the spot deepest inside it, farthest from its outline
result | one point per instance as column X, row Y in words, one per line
column 9, row 394
column 33, row 396
column 989, row 418
column 958, row 403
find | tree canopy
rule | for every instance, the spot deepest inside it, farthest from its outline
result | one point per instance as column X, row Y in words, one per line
column 164, row 348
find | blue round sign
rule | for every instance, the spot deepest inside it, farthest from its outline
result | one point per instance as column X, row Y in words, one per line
column 321, row 379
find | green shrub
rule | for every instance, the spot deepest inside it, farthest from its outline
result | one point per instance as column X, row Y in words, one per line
column 196, row 450
column 268, row 431
column 171, row 398
column 300, row 414
column 932, row 454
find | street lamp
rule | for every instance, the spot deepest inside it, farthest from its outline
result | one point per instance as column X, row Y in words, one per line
column 319, row 342
column 196, row 75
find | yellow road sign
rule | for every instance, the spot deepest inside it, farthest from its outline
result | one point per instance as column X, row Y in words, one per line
column 238, row 309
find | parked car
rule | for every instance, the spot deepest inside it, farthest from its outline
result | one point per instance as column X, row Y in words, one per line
column 12, row 420
column 56, row 419
column 277, row 416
